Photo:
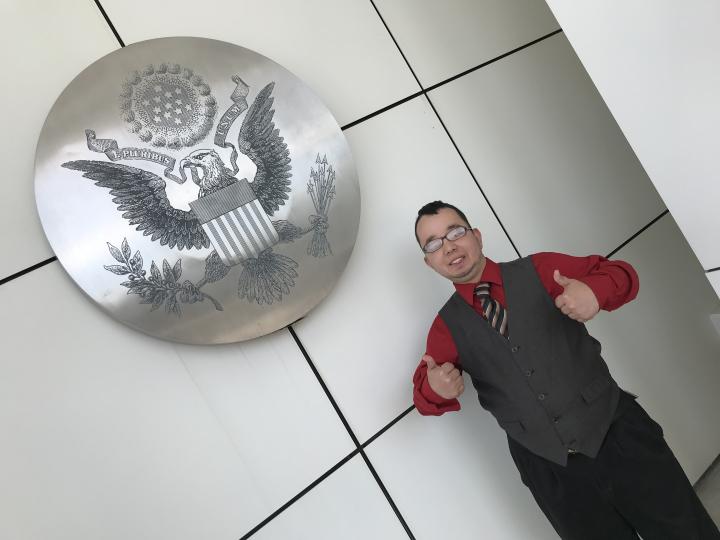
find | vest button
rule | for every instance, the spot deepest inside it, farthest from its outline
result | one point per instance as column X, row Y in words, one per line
column 529, row 372
column 556, row 419
column 542, row 396
column 516, row 348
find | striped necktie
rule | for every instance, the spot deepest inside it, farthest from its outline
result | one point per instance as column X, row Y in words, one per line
column 492, row 310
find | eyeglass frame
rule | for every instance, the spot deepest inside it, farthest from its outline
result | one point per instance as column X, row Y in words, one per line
column 443, row 238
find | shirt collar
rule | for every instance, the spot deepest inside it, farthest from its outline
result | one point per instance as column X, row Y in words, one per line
column 491, row 274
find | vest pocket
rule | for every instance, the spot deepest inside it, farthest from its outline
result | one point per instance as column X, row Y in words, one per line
column 596, row 388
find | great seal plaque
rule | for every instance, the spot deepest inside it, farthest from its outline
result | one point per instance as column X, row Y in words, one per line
column 196, row 190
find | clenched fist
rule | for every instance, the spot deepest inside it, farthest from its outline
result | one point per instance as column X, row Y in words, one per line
column 577, row 300
column 445, row 380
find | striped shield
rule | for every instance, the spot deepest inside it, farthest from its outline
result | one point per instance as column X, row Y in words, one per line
column 236, row 224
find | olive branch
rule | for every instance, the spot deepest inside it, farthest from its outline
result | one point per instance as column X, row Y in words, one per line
column 163, row 287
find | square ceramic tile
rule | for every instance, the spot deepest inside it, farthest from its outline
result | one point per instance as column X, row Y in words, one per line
column 338, row 47
column 109, row 433
column 347, row 505
column 442, row 39
column 368, row 336
column 548, row 153
column 273, row 409
column 452, row 477
column 40, row 57
column 663, row 346
column 656, row 73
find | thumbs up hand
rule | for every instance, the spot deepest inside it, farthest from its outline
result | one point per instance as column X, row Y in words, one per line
column 577, row 300
column 445, row 380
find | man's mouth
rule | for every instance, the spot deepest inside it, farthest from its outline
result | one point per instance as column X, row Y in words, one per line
column 457, row 260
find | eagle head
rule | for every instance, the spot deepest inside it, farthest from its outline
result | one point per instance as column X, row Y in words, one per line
column 208, row 170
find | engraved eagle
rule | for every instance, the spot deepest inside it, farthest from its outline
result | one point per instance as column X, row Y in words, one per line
column 141, row 198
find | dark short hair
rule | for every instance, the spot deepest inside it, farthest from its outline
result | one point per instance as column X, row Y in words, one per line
column 432, row 208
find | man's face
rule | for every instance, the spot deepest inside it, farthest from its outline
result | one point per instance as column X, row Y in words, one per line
column 461, row 260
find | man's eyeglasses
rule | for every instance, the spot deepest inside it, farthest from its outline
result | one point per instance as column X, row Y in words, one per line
column 453, row 234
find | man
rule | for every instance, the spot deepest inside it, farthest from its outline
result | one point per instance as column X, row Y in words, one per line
column 596, row 463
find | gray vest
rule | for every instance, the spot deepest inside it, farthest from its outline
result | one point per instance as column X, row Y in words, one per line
column 547, row 386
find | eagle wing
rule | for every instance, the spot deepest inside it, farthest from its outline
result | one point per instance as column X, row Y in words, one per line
column 260, row 140
column 140, row 196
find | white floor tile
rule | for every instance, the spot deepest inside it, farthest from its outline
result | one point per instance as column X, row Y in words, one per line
column 442, row 39
column 109, row 434
column 368, row 336
column 40, row 57
column 338, row 47
column 452, row 477
column 547, row 152
column 347, row 505
column 663, row 346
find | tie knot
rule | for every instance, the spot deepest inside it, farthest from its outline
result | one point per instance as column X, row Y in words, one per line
column 482, row 289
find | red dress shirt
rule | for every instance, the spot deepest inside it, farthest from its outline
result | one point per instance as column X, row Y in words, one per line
column 614, row 283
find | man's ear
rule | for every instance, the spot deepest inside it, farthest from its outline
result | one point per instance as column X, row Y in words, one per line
column 478, row 235
column 425, row 258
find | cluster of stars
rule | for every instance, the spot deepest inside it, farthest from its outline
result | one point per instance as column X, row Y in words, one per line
column 165, row 109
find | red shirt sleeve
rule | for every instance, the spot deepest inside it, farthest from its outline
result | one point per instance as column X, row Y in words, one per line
column 441, row 347
column 614, row 282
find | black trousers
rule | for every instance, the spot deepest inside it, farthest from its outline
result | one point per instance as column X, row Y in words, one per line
column 634, row 486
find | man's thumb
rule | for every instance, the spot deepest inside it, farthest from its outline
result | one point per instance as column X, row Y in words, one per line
column 429, row 361
column 560, row 279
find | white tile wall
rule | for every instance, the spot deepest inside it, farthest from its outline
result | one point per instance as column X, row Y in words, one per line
column 442, row 39
column 452, row 477
column 547, row 152
column 663, row 346
column 338, row 47
column 272, row 408
column 383, row 306
column 39, row 58
column 348, row 505
column 108, row 433
column 656, row 76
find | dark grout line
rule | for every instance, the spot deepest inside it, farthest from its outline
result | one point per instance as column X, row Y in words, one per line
column 109, row 22
column 359, row 450
column 27, row 270
column 299, row 495
column 354, row 438
column 334, row 404
column 493, row 60
column 626, row 242
column 712, row 270
column 391, row 424
column 472, row 175
column 380, row 111
column 387, row 495
column 382, row 20
column 441, row 83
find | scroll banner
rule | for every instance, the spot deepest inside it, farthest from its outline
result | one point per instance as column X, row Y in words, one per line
column 110, row 148
column 239, row 99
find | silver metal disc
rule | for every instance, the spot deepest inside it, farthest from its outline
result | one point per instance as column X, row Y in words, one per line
column 196, row 190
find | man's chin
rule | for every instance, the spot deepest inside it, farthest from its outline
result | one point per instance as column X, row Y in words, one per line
column 461, row 275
